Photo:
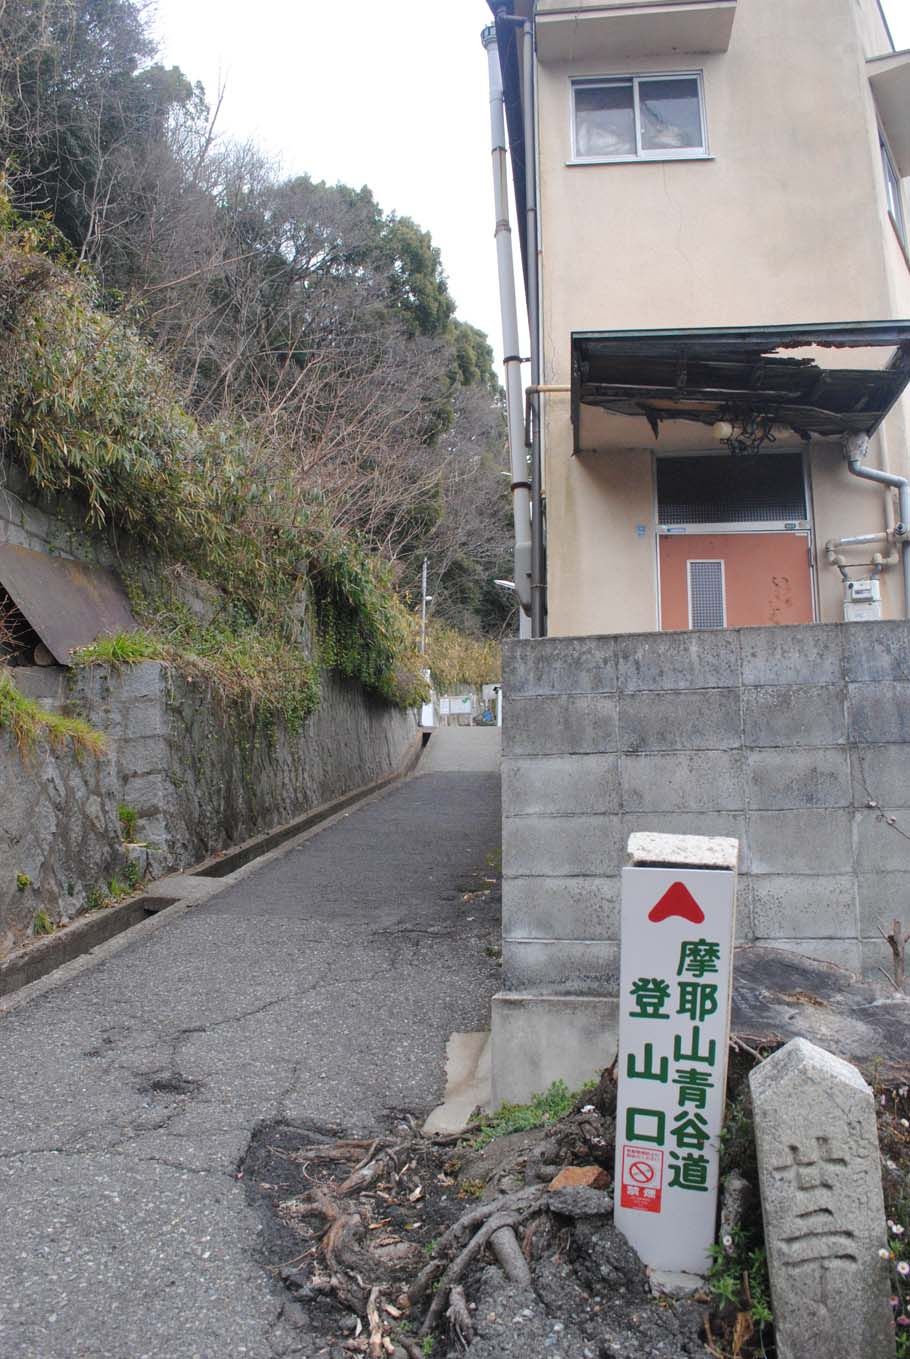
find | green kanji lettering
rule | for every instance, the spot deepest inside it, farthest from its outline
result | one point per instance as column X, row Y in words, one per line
column 694, row 1086
column 690, row 1130
column 647, row 1072
column 635, row 1131
column 697, row 999
column 688, row 1172
column 650, row 995
column 697, row 957
column 696, row 1055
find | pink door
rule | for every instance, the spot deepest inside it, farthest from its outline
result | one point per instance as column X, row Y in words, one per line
column 734, row 580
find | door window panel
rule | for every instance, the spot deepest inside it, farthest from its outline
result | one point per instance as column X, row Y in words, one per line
column 707, row 608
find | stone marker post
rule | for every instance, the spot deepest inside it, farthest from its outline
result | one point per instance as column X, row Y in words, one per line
column 821, row 1193
column 676, row 954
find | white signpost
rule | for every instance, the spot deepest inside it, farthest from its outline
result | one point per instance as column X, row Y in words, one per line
column 427, row 710
column 676, row 936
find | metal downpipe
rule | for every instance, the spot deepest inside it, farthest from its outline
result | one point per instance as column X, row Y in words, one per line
column 858, row 469
column 521, row 485
column 538, row 547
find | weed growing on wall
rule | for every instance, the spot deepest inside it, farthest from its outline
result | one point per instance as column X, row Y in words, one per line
column 128, row 817
column 123, row 648
column 29, row 723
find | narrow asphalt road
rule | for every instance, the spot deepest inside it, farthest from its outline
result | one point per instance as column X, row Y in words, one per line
column 319, row 989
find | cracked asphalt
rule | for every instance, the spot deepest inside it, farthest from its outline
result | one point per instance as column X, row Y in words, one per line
column 320, row 988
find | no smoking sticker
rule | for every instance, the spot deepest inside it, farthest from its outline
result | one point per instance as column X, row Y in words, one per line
column 642, row 1175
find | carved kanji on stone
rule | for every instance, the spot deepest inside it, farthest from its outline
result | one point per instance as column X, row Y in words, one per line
column 822, row 1204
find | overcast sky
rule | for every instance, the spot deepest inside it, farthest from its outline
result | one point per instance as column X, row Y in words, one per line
column 393, row 95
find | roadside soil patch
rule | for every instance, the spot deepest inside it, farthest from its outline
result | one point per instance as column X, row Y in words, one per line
column 402, row 1245
column 407, row 1246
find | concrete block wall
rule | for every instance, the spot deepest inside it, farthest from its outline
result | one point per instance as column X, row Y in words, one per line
column 796, row 740
column 793, row 739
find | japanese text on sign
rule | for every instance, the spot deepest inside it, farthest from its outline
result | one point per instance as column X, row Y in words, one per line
column 677, row 936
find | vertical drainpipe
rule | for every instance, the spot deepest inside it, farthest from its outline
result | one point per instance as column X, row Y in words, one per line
column 856, row 447
column 538, row 561
column 521, row 486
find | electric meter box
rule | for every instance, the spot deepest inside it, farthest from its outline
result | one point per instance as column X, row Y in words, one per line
column 862, row 600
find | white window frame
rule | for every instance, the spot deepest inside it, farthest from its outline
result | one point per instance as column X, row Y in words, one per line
column 634, row 78
column 894, row 191
column 706, row 561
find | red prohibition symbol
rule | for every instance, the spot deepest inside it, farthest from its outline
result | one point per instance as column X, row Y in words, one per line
column 641, row 1172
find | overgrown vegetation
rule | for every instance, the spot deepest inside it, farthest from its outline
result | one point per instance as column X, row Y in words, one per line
column 29, row 723
column 90, row 411
column 454, row 659
column 259, row 379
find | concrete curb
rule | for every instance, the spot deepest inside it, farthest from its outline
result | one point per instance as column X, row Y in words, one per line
column 39, row 966
column 468, row 1083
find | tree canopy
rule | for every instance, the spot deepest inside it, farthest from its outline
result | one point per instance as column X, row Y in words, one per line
column 293, row 311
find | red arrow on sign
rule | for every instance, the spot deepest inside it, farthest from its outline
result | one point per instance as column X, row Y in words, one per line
column 677, row 901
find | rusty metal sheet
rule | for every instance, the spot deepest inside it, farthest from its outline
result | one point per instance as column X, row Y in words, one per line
column 68, row 603
column 716, row 375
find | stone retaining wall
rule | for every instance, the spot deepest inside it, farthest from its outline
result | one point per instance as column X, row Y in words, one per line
column 197, row 780
column 795, row 740
column 45, row 523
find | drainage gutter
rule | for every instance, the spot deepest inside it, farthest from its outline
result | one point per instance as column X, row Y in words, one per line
column 179, row 890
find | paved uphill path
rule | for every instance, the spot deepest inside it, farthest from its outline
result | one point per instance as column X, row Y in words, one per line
column 320, row 988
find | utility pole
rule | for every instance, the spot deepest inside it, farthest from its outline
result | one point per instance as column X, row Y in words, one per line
column 423, row 608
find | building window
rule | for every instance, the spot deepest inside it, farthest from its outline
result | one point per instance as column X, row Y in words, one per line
column 638, row 118
column 893, row 193
column 768, row 488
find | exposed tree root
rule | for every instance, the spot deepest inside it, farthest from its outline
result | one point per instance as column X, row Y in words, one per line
column 459, row 1317
column 521, row 1201
column 504, row 1245
column 460, row 1264
column 363, row 1192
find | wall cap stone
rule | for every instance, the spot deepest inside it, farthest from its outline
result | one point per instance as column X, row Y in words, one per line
column 682, row 851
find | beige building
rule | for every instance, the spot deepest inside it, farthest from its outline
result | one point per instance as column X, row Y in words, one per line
column 719, row 285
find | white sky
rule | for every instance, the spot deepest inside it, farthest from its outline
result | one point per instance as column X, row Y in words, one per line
column 391, row 94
